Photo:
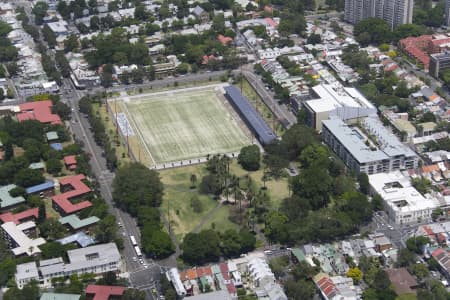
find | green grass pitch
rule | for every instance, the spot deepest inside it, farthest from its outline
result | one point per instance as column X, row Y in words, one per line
column 185, row 124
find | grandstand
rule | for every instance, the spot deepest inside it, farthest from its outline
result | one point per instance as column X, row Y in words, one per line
column 250, row 116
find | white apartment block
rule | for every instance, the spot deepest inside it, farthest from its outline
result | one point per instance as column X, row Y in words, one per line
column 394, row 12
column 17, row 239
column 95, row 259
column 26, row 273
column 402, row 202
column 369, row 148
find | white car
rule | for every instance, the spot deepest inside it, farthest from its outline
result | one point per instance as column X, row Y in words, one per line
column 134, row 258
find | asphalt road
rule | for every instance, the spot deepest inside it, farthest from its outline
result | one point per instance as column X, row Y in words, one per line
column 139, row 275
column 280, row 111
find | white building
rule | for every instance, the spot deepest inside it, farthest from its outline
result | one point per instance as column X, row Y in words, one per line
column 18, row 240
column 260, row 272
column 336, row 100
column 59, row 28
column 402, row 202
column 174, row 277
column 95, row 259
column 375, row 152
column 26, row 273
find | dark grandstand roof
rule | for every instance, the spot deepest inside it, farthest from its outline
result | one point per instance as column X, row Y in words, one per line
column 265, row 134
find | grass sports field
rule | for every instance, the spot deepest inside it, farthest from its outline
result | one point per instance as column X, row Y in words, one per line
column 184, row 124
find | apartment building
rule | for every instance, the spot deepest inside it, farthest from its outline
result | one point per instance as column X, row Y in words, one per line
column 382, row 152
column 439, row 62
column 394, row 12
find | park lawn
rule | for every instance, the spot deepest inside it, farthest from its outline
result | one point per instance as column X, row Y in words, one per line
column 177, row 198
column 220, row 219
column 277, row 188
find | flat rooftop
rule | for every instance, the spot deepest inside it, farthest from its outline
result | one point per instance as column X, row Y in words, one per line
column 353, row 140
column 25, row 244
column 396, row 189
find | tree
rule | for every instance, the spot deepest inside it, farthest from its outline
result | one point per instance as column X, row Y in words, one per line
column 53, row 166
column 51, row 229
column 202, row 247
column 49, row 36
column 106, row 229
column 9, row 93
column 405, row 258
column 136, row 185
column 249, row 158
column 62, row 109
column 381, row 281
column 5, row 28
column 417, row 244
column 52, row 250
column 355, row 274
column 422, row 185
column 71, row 43
column 420, row 270
column 193, row 180
column 42, row 215
column 299, row 290
column 156, row 243
column 29, row 292
column 133, row 294
column 230, row 243
column 39, row 10
column 406, row 30
column 106, row 79
column 364, row 185
column 372, row 31
column 94, row 23
column 313, row 39
column 196, row 204
column 28, row 177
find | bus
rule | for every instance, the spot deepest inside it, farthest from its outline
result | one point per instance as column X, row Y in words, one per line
column 138, row 251
column 133, row 240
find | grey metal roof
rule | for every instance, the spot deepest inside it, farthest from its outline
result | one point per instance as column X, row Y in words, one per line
column 253, row 118
column 390, row 144
column 198, row 11
column 349, row 138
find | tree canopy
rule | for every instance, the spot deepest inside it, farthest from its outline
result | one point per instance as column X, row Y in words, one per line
column 135, row 185
column 372, row 31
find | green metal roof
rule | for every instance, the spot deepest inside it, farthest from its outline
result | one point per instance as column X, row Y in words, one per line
column 298, row 254
column 215, row 269
column 75, row 222
column 6, row 199
column 55, row 296
column 52, row 135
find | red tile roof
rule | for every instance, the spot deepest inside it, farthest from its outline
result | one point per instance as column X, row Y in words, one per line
column 70, row 161
column 103, row 292
column 79, row 189
column 231, row 289
column 224, row 40
column 16, row 218
column 204, row 271
column 40, row 111
column 223, row 268
column 191, row 274
column 271, row 22
column 437, row 252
